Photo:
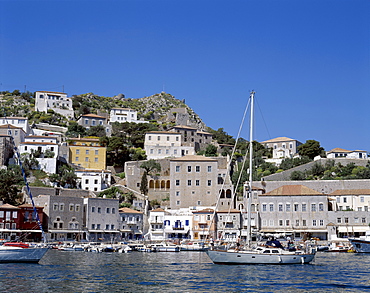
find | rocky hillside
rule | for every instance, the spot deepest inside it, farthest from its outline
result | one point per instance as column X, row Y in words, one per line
column 162, row 108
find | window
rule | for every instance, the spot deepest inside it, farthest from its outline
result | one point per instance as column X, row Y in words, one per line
column 297, row 223
column 158, row 138
column 71, row 207
column 304, row 223
column 271, row 223
column 296, row 207
column 199, row 203
column 93, row 209
column 61, row 207
column 321, row 207
column 280, row 222
column 96, row 181
column 287, row 222
column 197, row 182
column 87, row 152
column 177, row 169
column 197, row 168
column 107, row 227
column 304, row 207
column 178, row 202
column 113, row 210
column 271, row 205
column 313, row 222
column 177, row 193
column 96, row 152
column 287, row 207
column 363, row 220
column 264, row 207
column 189, row 182
column 76, row 159
column 99, row 210
column 98, row 226
column 86, row 159
column 344, row 199
column 321, row 222
column 77, row 152
column 86, row 181
column 209, row 168
column 55, row 207
column 280, row 207
column 149, row 137
column 189, row 168
column 95, row 160
column 77, row 208
column 15, row 214
column 346, row 220
column 313, row 207
column 108, row 210
column 339, row 220
column 209, row 182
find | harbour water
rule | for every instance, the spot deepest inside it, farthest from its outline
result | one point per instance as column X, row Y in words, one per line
column 63, row 271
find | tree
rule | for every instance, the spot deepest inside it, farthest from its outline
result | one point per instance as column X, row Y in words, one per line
column 75, row 130
column 148, row 166
column 9, row 191
column 311, row 148
column 144, row 183
column 210, row 151
column 151, row 165
column 98, row 131
column 297, row 175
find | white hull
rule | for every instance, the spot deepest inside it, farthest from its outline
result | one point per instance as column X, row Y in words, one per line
column 31, row 255
column 361, row 245
column 252, row 257
column 167, row 248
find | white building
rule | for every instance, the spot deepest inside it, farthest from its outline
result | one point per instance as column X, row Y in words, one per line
column 122, row 115
column 58, row 102
column 47, row 151
column 102, row 219
column 178, row 226
column 94, row 180
column 164, row 144
column 20, row 122
column 156, row 225
column 342, row 153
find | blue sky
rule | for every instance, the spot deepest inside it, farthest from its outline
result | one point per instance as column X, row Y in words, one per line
column 308, row 61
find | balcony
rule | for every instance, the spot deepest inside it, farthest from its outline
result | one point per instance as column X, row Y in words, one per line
column 178, row 228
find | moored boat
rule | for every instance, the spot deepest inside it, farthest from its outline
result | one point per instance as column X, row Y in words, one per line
column 16, row 252
column 361, row 244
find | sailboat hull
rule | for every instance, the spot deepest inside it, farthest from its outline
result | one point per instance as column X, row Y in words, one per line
column 250, row 257
column 21, row 255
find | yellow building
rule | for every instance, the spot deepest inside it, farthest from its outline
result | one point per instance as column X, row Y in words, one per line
column 87, row 153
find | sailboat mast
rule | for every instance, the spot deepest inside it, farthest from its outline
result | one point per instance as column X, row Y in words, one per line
column 249, row 194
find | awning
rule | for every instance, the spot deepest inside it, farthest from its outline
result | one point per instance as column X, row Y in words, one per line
column 65, row 231
column 103, row 231
column 350, row 229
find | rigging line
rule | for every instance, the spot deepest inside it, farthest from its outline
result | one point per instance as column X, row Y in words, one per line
column 263, row 119
column 18, row 158
column 229, row 165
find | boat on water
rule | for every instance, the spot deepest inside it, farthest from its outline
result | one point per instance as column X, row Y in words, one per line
column 16, row 252
column 193, row 246
column 361, row 244
column 339, row 247
column 165, row 247
column 258, row 254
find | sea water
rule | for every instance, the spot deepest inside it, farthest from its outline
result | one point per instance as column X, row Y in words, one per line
column 63, row 271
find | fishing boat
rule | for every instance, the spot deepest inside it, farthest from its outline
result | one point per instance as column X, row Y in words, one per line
column 165, row 247
column 361, row 244
column 258, row 254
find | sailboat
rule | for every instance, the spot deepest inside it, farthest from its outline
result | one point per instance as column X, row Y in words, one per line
column 257, row 254
column 19, row 252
